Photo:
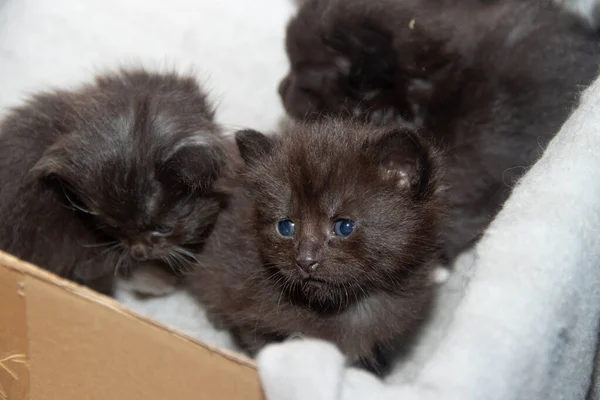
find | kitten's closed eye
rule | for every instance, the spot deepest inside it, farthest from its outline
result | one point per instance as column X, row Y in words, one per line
column 163, row 230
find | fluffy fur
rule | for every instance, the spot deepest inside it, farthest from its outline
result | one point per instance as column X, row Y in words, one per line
column 367, row 289
column 493, row 81
column 116, row 174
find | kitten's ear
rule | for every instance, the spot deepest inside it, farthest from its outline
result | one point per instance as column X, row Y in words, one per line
column 56, row 170
column 403, row 157
column 53, row 163
column 253, row 145
column 196, row 165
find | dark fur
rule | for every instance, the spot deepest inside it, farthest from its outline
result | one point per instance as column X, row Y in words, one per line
column 493, row 80
column 371, row 287
column 87, row 175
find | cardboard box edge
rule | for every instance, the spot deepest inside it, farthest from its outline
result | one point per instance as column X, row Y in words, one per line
column 23, row 267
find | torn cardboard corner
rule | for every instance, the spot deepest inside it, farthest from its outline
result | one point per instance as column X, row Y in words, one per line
column 61, row 341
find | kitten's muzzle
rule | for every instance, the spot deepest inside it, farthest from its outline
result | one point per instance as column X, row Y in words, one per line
column 139, row 252
column 307, row 265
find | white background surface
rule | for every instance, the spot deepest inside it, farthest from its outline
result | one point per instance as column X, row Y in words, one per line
column 236, row 47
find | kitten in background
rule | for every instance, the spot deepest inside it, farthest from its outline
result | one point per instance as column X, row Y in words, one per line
column 331, row 232
column 493, row 81
column 110, row 177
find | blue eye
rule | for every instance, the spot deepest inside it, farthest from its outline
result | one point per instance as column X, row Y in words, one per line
column 286, row 228
column 162, row 229
column 343, row 227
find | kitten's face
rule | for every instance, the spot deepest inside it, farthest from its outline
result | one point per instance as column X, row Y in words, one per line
column 344, row 67
column 318, row 79
column 143, row 181
column 159, row 221
column 335, row 72
column 341, row 210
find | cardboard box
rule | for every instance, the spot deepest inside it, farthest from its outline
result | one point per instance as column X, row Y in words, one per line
column 62, row 341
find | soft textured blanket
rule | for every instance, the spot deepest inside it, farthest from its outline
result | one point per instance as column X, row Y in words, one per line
column 517, row 319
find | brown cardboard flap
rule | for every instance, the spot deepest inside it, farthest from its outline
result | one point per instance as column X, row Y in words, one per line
column 14, row 374
column 72, row 343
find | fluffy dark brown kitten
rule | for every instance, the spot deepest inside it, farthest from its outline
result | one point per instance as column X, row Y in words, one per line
column 331, row 232
column 117, row 174
column 492, row 80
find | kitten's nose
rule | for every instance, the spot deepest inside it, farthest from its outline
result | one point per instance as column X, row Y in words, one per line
column 284, row 85
column 139, row 252
column 307, row 264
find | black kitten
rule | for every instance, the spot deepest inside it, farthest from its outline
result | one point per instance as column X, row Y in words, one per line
column 330, row 233
column 114, row 175
column 492, row 80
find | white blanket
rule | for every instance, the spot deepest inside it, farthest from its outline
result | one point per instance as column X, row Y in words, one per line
column 517, row 319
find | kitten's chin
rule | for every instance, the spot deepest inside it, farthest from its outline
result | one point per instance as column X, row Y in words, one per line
column 323, row 296
column 318, row 294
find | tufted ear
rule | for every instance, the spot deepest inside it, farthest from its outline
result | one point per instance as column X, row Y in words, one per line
column 57, row 170
column 54, row 162
column 404, row 158
column 253, row 145
column 195, row 163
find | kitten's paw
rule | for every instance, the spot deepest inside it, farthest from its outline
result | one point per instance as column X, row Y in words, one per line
column 380, row 362
column 217, row 321
column 296, row 335
column 440, row 275
column 104, row 284
column 152, row 280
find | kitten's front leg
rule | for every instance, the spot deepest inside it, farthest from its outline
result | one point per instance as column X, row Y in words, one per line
column 104, row 284
column 94, row 275
column 380, row 361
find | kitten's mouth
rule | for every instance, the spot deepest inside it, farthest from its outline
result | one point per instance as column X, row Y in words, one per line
column 316, row 282
column 326, row 296
column 178, row 260
column 311, row 282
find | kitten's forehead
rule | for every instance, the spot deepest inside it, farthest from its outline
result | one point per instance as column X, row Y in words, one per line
column 121, row 155
column 196, row 139
column 127, row 136
column 323, row 168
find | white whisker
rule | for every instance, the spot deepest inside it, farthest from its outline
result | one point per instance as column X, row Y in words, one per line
column 99, row 244
column 119, row 262
column 75, row 206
